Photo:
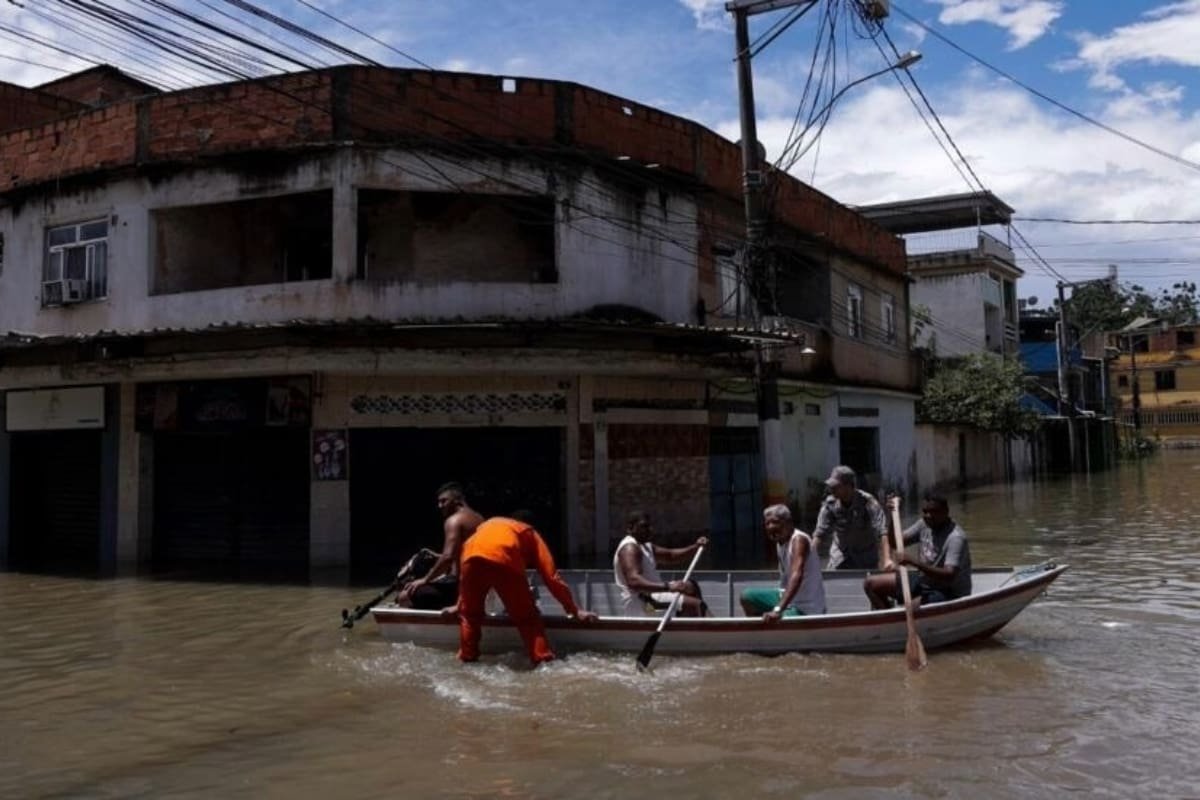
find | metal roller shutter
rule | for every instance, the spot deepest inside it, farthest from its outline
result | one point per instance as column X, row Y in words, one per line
column 55, row 522
column 235, row 503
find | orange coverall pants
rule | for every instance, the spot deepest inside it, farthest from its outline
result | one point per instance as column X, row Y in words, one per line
column 477, row 577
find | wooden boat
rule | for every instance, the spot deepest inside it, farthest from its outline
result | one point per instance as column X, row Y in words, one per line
column 849, row 627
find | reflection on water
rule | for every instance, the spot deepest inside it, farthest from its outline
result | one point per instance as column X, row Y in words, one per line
column 139, row 688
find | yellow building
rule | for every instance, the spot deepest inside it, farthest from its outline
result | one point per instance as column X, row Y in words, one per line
column 1164, row 369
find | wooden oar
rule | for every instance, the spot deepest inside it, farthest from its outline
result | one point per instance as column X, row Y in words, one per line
column 914, row 651
column 360, row 611
column 643, row 659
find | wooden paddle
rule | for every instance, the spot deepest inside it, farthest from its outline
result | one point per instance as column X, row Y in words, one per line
column 914, row 651
column 643, row 659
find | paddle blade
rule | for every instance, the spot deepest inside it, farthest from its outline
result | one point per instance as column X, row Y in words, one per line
column 914, row 651
column 643, row 659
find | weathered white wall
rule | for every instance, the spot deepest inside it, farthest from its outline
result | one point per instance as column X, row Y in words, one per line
column 610, row 250
column 956, row 304
column 937, row 457
column 809, row 440
column 812, row 446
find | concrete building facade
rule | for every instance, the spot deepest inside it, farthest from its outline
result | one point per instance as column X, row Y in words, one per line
column 256, row 325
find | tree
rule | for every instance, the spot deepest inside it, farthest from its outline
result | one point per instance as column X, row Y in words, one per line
column 981, row 391
column 1109, row 306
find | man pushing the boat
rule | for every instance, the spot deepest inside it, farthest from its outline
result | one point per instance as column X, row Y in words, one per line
column 635, row 570
column 496, row 557
column 801, row 589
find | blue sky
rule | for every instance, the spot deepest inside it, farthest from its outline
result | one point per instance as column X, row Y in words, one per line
column 1132, row 64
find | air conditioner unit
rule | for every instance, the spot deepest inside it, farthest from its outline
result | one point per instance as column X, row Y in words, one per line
column 74, row 290
column 64, row 292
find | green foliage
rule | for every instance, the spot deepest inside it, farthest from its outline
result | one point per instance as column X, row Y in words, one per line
column 1106, row 306
column 981, row 391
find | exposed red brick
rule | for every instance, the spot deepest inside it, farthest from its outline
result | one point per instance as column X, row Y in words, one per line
column 659, row 441
column 447, row 109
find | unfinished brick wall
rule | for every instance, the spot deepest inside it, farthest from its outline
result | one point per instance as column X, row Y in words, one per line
column 233, row 117
column 22, row 108
column 97, row 86
column 469, row 114
column 662, row 470
column 87, row 142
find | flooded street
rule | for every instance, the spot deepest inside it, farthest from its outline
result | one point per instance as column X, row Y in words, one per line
column 142, row 688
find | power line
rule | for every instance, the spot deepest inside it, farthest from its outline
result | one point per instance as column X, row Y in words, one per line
column 1061, row 221
column 1057, row 104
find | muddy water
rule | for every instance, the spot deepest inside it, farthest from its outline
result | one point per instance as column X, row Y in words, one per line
column 153, row 688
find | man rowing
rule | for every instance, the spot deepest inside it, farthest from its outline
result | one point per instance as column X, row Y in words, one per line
column 635, row 570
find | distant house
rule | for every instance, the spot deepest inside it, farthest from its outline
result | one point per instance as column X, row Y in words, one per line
column 962, row 301
column 963, row 276
column 1156, row 379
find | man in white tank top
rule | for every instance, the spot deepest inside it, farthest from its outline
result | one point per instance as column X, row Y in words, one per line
column 801, row 589
column 635, row 570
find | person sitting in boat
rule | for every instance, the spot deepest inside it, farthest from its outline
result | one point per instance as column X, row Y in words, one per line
column 496, row 557
column 942, row 569
column 438, row 587
column 635, row 570
column 851, row 523
column 801, row 589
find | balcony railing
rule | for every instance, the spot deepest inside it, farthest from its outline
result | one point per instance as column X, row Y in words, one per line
column 964, row 240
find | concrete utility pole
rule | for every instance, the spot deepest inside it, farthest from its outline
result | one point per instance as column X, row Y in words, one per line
column 1137, row 394
column 760, row 272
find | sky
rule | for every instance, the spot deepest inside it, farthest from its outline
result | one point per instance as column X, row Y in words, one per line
column 1132, row 66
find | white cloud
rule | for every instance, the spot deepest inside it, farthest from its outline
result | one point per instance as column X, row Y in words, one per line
column 710, row 14
column 1166, row 35
column 1038, row 160
column 1025, row 20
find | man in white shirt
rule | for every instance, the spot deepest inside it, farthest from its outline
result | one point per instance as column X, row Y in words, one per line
column 635, row 570
column 801, row 589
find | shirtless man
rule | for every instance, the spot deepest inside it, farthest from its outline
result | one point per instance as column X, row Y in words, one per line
column 438, row 588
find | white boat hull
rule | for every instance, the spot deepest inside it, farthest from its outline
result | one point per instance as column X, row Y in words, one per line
column 977, row 616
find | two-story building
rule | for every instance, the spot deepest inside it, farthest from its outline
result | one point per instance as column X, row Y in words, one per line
column 257, row 324
column 964, row 279
column 963, row 297
column 1157, row 380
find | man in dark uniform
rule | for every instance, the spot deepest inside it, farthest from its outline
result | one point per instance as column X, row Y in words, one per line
column 852, row 522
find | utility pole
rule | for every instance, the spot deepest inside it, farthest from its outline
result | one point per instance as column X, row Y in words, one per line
column 1137, row 393
column 1066, row 408
column 759, row 272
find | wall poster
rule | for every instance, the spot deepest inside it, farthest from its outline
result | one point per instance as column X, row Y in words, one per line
column 330, row 455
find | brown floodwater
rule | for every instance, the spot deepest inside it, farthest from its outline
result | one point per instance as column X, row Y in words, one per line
column 135, row 688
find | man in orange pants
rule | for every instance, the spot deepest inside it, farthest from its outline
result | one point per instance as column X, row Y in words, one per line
column 496, row 557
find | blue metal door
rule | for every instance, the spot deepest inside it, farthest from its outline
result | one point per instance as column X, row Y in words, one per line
column 735, row 495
